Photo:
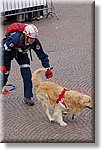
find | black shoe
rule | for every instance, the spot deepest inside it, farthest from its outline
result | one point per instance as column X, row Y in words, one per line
column 29, row 101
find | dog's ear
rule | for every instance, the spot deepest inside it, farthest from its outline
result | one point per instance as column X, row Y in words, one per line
column 81, row 102
column 84, row 99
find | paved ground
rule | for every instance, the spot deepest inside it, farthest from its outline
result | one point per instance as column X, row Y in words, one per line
column 69, row 44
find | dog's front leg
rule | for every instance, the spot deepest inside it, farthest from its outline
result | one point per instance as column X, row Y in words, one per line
column 46, row 108
column 57, row 116
column 45, row 103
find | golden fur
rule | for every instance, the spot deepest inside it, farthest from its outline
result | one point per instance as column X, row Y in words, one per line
column 48, row 92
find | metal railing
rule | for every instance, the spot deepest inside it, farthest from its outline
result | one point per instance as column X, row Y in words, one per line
column 28, row 11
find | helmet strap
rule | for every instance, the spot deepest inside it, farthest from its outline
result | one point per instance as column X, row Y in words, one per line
column 27, row 39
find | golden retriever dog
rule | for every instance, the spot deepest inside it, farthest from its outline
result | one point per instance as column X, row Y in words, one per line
column 48, row 92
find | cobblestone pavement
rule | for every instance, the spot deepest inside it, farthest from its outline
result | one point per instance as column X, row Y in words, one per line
column 69, row 44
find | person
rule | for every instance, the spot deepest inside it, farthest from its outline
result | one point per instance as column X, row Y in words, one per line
column 16, row 45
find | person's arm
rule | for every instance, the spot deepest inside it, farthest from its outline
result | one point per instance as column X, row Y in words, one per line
column 43, row 57
column 41, row 54
column 11, row 41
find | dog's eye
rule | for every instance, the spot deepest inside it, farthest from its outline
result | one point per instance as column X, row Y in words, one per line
column 89, row 100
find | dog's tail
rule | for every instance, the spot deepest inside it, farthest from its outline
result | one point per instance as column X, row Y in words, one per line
column 35, row 76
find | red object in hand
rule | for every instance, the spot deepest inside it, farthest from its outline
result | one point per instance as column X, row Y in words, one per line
column 3, row 69
column 48, row 74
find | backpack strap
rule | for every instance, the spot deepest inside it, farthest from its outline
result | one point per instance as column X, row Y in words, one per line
column 22, row 40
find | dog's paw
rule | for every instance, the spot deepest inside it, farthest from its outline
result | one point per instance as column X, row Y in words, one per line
column 63, row 124
column 51, row 119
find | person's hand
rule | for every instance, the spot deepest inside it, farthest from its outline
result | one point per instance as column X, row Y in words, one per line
column 48, row 73
column 3, row 69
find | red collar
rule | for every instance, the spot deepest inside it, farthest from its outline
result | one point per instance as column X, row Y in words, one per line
column 60, row 99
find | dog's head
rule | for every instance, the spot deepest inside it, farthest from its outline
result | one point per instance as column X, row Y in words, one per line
column 86, row 101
